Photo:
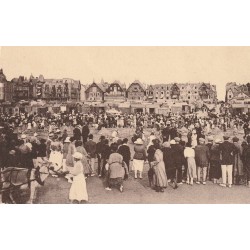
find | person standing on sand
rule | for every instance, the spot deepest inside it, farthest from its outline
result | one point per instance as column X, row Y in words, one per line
column 78, row 190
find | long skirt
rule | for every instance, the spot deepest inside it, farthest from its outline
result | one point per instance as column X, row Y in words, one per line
column 78, row 189
column 191, row 167
column 160, row 175
column 215, row 169
column 138, row 165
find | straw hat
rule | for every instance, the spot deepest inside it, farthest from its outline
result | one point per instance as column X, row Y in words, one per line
column 77, row 155
column 23, row 136
column 210, row 138
column 166, row 144
column 139, row 141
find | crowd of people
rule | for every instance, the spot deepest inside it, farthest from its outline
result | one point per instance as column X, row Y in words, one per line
column 180, row 149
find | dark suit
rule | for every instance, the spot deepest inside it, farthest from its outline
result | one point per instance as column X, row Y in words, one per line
column 124, row 150
column 90, row 147
column 85, row 133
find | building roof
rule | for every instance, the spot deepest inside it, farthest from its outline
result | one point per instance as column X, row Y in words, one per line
column 139, row 83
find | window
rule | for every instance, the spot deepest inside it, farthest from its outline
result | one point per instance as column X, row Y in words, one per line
column 182, row 87
column 188, row 97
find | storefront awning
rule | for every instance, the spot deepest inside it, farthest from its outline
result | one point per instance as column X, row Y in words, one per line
column 124, row 105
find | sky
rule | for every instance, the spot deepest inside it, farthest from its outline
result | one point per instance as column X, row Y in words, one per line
column 150, row 65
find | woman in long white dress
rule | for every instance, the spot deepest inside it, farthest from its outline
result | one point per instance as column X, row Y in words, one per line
column 78, row 190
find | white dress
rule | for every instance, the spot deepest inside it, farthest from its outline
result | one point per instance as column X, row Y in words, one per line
column 78, row 189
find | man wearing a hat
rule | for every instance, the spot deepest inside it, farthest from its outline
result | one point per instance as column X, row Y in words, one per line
column 99, row 148
column 228, row 151
column 90, row 147
column 166, row 132
column 246, row 158
column 178, row 155
column 202, row 157
column 238, row 172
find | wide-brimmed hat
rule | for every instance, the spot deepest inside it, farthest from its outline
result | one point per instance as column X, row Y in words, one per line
column 217, row 141
column 166, row 144
column 58, row 131
column 177, row 139
column 226, row 137
column 51, row 134
column 77, row 155
column 139, row 141
column 67, row 139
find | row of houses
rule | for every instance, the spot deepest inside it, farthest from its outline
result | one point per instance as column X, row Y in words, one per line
column 157, row 93
column 238, row 97
column 67, row 89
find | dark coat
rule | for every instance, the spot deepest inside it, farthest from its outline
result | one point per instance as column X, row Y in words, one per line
column 202, row 155
column 85, row 132
column 151, row 153
column 168, row 158
column 77, row 134
column 124, row 150
column 178, row 155
column 105, row 152
column 90, row 147
column 228, row 150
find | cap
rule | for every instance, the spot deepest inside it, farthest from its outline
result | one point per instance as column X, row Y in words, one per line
column 67, row 139
column 235, row 139
column 202, row 140
column 23, row 136
column 210, row 138
column 172, row 142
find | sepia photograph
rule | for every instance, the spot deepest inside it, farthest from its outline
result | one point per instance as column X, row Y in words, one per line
column 124, row 125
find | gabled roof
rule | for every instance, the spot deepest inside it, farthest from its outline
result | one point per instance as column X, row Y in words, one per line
column 100, row 86
column 143, row 87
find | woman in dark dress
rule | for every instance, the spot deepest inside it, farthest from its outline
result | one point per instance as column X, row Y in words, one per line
column 169, row 161
column 215, row 162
